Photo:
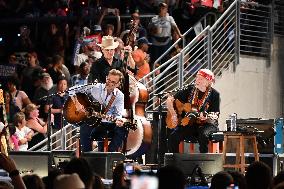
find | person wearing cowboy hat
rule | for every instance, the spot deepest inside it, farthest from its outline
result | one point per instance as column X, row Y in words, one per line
column 102, row 66
column 193, row 112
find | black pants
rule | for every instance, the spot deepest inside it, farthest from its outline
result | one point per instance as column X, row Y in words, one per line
column 89, row 133
column 199, row 132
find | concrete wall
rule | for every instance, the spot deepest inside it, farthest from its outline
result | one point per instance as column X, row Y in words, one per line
column 253, row 91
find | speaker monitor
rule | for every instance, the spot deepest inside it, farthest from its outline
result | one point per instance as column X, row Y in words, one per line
column 29, row 162
column 62, row 157
column 103, row 163
column 210, row 163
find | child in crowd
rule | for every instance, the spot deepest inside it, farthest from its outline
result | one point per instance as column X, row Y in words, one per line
column 23, row 133
column 13, row 138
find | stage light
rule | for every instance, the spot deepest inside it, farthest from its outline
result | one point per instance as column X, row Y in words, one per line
column 1, row 39
column 19, row 35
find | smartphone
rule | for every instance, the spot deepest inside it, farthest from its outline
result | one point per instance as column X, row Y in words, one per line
column 128, row 168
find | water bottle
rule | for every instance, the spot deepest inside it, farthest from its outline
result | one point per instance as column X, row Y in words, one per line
column 233, row 120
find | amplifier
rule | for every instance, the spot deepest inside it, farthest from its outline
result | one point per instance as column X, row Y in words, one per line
column 269, row 133
column 210, row 163
column 103, row 163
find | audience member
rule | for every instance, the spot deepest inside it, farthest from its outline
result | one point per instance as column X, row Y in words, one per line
column 49, row 180
column 108, row 29
column 42, row 93
column 119, row 178
column 171, row 177
column 141, row 58
column 36, row 124
column 83, row 169
column 7, row 164
column 13, row 138
column 30, row 77
column 70, row 181
column 33, row 181
column 83, row 77
column 56, row 70
column 221, row 180
column 161, row 27
column 258, row 176
column 239, row 179
column 23, row 133
column 18, row 99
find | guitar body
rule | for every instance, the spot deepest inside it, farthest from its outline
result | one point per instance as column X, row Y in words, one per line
column 72, row 116
column 187, row 115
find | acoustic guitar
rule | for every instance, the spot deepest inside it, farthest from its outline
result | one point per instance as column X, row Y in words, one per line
column 188, row 115
column 92, row 115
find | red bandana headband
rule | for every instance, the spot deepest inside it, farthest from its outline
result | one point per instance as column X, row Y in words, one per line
column 207, row 74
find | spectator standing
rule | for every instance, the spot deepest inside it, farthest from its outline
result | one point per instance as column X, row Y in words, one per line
column 83, row 77
column 56, row 70
column 42, row 93
column 30, row 79
column 161, row 27
column 141, row 58
column 18, row 99
column 108, row 29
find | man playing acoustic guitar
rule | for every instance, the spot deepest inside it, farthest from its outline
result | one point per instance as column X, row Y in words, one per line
column 112, row 99
column 193, row 112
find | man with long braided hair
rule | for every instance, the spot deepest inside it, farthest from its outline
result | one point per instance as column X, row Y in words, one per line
column 193, row 112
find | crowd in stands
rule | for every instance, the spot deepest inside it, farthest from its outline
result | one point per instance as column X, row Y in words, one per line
column 78, row 174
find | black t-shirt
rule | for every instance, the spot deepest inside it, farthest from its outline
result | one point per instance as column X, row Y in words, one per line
column 101, row 68
column 213, row 100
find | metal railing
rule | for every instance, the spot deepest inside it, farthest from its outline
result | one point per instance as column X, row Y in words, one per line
column 64, row 139
column 244, row 28
column 278, row 12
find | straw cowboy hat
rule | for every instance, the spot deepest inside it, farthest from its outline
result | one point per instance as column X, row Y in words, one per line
column 108, row 43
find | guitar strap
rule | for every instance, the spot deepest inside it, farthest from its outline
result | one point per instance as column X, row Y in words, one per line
column 109, row 103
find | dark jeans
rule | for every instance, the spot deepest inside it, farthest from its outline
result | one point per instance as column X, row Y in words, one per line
column 199, row 132
column 89, row 133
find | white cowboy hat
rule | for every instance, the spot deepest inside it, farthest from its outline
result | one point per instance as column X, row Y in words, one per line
column 108, row 43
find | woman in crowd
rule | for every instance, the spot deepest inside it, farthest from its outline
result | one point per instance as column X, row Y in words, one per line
column 36, row 124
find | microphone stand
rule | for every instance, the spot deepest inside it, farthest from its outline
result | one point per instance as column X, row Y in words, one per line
column 160, row 115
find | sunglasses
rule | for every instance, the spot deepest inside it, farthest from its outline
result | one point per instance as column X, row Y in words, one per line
column 112, row 82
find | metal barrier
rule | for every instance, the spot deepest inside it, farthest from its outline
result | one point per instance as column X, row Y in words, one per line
column 64, row 139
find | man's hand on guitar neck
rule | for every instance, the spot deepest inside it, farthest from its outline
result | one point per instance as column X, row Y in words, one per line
column 79, row 107
column 203, row 116
column 170, row 106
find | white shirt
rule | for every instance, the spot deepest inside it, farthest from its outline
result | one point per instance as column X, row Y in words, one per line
column 21, row 135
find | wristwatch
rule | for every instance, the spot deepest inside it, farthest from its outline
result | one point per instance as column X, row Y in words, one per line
column 14, row 173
